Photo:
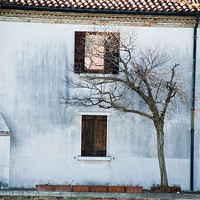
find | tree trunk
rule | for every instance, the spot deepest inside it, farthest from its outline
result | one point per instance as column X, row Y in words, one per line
column 159, row 125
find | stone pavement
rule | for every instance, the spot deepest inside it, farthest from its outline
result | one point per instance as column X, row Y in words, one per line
column 35, row 195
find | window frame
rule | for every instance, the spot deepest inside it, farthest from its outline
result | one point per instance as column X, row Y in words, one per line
column 79, row 53
column 95, row 158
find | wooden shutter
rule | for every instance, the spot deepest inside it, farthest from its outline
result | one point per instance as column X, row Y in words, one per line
column 112, row 53
column 100, row 136
column 79, row 52
column 94, row 133
column 87, row 135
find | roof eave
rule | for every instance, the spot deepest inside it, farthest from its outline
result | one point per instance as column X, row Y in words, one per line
column 99, row 11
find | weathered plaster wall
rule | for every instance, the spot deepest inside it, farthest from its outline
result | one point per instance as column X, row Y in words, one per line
column 45, row 139
column 4, row 153
column 4, row 161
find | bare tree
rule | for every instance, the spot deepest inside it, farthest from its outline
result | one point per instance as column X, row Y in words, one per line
column 145, row 74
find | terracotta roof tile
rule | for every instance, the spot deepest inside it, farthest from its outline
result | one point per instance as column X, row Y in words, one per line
column 178, row 6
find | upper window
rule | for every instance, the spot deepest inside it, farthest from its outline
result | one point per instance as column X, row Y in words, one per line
column 96, row 52
column 94, row 134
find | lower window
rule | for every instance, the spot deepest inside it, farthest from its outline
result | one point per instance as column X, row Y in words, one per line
column 94, row 134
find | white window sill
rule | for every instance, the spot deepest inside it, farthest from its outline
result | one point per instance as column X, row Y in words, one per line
column 84, row 158
column 84, row 75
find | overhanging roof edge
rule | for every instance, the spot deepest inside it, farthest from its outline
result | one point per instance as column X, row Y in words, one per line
column 99, row 11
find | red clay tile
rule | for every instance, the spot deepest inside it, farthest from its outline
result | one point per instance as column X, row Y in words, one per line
column 116, row 189
column 98, row 188
column 133, row 189
column 62, row 188
column 44, row 188
column 80, row 188
column 189, row 6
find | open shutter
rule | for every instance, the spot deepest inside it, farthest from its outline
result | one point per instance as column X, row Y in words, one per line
column 79, row 52
column 112, row 45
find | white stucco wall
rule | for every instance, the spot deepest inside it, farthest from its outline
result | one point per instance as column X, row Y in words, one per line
column 46, row 138
column 4, row 161
column 4, row 153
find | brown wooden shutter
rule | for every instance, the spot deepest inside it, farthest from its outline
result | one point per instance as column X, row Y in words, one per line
column 94, row 133
column 112, row 53
column 79, row 52
column 100, row 135
column 87, row 135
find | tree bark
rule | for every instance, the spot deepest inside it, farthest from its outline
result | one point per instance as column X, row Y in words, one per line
column 159, row 125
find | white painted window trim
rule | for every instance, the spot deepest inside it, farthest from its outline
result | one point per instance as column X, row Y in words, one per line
column 91, row 158
column 85, row 75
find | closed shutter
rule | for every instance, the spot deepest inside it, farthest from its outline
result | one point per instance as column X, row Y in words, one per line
column 94, row 133
column 79, row 52
column 100, row 135
column 87, row 135
column 112, row 53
